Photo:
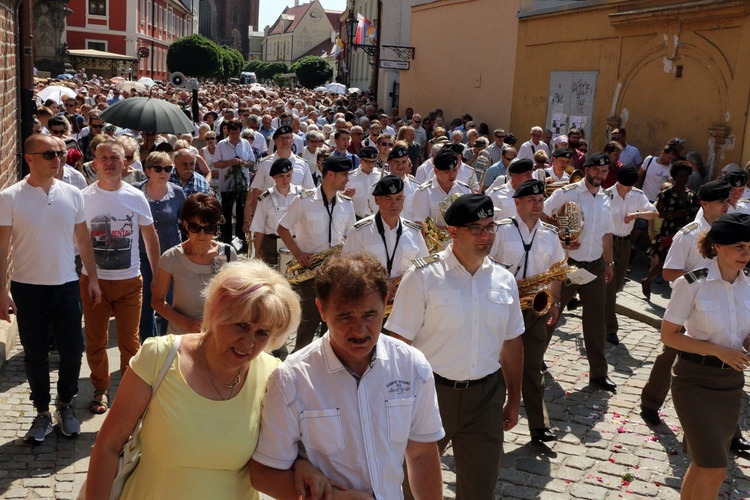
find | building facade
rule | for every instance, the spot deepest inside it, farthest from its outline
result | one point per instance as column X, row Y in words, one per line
column 464, row 59
column 128, row 27
column 301, row 30
column 660, row 68
column 229, row 22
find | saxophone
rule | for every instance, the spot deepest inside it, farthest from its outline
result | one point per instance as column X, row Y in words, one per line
column 433, row 235
column 533, row 290
column 296, row 273
column 389, row 305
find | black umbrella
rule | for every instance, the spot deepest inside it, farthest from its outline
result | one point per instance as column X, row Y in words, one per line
column 148, row 114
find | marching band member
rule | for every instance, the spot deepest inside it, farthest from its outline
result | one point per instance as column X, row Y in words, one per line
column 528, row 247
column 362, row 179
column 400, row 166
column 320, row 219
column 519, row 172
column 429, row 195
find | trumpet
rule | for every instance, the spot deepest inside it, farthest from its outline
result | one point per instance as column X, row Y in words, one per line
column 296, row 273
column 533, row 291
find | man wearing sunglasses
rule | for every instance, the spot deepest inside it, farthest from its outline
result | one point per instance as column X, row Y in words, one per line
column 118, row 215
column 461, row 309
column 40, row 213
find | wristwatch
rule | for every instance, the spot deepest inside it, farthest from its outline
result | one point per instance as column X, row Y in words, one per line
column 609, row 264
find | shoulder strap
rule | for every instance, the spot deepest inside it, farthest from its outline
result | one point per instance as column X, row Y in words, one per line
column 696, row 275
column 227, row 252
column 650, row 159
column 163, row 371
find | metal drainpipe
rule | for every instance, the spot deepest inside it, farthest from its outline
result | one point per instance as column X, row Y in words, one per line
column 25, row 75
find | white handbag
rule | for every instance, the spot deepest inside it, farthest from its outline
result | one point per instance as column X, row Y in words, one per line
column 131, row 451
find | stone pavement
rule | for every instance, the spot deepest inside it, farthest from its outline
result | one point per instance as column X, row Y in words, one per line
column 604, row 451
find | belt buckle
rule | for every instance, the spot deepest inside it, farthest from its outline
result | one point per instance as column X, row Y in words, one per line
column 460, row 385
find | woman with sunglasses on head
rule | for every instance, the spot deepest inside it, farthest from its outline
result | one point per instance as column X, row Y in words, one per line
column 165, row 200
column 708, row 379
column 190, row 265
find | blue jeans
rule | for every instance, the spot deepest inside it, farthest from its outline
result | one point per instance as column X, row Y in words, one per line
column 148, row 327
column 38, row 307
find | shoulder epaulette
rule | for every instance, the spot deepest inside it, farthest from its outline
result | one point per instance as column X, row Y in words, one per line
column 744, row 200
column 505, row 266
column 412, row 225
column 551, row 227
column 689, row 227
column 746, row 271
column 265, row 194
column 425, row 185
column 568, row 187
column 344, row 197
column 609, row 194
column 360, row 224
column 637, row 190
column 411, row 178
column 424, row 261
column 306, row 192
column 696, row 275
column 461, row 183
column 503, row 222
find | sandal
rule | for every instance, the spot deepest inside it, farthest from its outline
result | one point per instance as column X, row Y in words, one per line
column 101, row 405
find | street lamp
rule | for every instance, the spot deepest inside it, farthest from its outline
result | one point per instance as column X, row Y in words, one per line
column 351, row 29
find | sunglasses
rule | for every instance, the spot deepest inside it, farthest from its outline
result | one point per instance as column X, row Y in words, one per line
column 210, row 138
column 196, row 228
column 57, row 132
column 389, row 144
column 51, row 155
column 158, row 168
column 96, row 126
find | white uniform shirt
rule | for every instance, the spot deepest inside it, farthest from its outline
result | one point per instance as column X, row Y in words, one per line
column 546, row 248
column 364, row 237
column 555, row 178
column 711, row 309
column 742, row 206
column 363, row 183
column 354, row 433
column 308, row 220
column 502, row 198
column 300, row 173
column 226, row 151
column 635, row 201
column 428, row 197
column 683, row 254
column 528, row 149
column 596, row 213
column 43, row 224
column 458, row 320
column 271, row 207
column 427, row 172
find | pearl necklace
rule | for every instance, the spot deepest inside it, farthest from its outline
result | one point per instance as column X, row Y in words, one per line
column 231, row 386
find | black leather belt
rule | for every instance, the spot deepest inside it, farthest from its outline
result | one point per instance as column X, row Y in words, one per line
column 620, row 238
column 704, row 360
column 273, row 236
column 460, row 385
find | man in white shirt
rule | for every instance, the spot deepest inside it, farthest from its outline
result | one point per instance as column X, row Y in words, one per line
column 362, row 179
column 354, row 403
column 519, row 171
column 534, row 144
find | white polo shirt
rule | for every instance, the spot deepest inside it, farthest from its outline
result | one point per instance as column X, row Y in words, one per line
column 596, row 213
column 458, row 320
column 635, row 201
column 365, row 237
column 363, row 183
column 308, row 219
column 354, row 432
column 683, row 253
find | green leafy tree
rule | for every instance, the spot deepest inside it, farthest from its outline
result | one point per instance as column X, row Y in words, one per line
column 195, row 56
column 232, row 62
column 254, row 66
column 273, row 69
column 312, row 71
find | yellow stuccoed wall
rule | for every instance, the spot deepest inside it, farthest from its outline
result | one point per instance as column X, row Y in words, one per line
column 636, row 48
column 464, row 60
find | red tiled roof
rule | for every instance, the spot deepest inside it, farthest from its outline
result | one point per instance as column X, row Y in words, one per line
column 323, row 49
column 297, row 13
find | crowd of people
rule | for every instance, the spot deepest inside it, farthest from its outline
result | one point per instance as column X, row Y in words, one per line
column 434, row 224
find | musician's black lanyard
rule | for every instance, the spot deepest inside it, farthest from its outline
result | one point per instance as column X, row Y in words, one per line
column 526, row 249
column 330, row 213
column 381, row 230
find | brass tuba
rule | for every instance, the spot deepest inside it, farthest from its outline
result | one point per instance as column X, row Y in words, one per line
column 297, row 273
column 533, row 290
column 569, row 222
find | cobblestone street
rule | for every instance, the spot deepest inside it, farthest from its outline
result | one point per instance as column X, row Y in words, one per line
column 604, row 449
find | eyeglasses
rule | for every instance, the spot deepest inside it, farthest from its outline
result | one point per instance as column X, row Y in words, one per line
column 210, row 138
column 417, row 122
column 509, row 159
column 477, row 230
column 57, row 131
column 196, row 228
column 51, row 155
column 70, row 104
column 158, row 168
column 96, row 126
column 110, row 128
column 500, row 137
column 389, row 144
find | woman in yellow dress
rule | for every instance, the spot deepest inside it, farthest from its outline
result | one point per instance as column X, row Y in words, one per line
column 202, row 425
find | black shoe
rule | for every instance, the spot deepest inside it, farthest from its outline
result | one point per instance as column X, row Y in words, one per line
column 604, row 383
column 613, row 339
column 651, row 416
column 739, row 444
column 573, row 304
column 542, row 435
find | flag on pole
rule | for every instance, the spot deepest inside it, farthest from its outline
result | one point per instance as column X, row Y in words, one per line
column 338, row 51
column 366, row 32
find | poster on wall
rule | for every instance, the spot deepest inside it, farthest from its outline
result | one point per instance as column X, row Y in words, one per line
column 570, row 103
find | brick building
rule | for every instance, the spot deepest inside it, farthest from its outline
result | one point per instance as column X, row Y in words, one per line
column 229, row 22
